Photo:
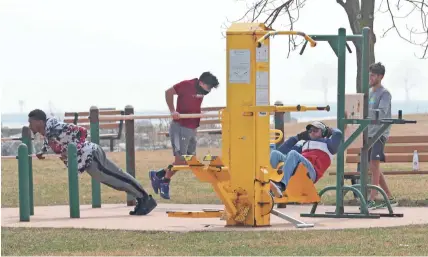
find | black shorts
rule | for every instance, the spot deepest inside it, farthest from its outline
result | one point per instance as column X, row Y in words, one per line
column 377, row 151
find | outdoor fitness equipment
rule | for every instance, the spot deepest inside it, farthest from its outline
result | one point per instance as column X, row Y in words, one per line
column 339, row 45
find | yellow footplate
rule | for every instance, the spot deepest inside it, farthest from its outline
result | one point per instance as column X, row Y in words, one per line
column 206, row 213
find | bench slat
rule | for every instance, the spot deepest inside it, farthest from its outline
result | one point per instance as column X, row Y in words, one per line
column 354, row 173
column 210, row 121
column 102, row 126
column 102, row 112
column 391, row 158
column 107, row 136
column 396, row 149
column 407, row 139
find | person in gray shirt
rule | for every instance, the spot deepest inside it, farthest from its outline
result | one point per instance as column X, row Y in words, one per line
column 380, row 100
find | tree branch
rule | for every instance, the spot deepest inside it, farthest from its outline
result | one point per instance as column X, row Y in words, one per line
column 270, row 12
column 422, row 8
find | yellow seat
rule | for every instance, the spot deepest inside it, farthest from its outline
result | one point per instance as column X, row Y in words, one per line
column 300, row 189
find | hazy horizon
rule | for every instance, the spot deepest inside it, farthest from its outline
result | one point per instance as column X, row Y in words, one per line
column 67, row 56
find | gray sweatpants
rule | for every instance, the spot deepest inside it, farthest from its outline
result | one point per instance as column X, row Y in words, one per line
column 106, row 172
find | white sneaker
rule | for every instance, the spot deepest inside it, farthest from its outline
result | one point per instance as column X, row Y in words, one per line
column 275, row 190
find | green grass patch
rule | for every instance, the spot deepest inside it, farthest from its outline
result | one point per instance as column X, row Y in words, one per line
column 409, row 240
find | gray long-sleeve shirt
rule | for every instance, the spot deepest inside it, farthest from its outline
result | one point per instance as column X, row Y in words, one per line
column 379, row 99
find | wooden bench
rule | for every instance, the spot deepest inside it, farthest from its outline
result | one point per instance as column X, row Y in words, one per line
column 82, row 119
column 398, row 149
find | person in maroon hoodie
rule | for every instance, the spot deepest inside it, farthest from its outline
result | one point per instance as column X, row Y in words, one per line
column 182, row 131
column 316, row 153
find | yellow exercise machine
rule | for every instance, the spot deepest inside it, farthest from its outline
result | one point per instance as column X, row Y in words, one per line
column 241, row 177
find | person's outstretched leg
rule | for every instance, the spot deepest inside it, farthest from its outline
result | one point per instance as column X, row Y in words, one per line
column 275, row 158
column 293, row 159
column 183, row 141
column 109, row 174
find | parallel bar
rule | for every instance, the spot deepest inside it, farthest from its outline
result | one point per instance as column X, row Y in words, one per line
column 24, row 186
column 6, row 139
column 73, row 181
column 160, row 116
column 298, row 108
column 212, row 109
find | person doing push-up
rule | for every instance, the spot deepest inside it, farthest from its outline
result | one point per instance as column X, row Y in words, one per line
column 90, row 157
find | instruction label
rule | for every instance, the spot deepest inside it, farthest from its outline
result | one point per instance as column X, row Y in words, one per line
column 239, row 66
column 262, row 88
column 262, row 54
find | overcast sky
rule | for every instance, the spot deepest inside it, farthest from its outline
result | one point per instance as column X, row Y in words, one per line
column 73, row 54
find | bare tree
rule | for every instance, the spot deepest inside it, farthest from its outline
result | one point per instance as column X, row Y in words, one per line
column 320, row 77
column 407, row 77
column 407, row 87
column 360, row 14
column 21, row 105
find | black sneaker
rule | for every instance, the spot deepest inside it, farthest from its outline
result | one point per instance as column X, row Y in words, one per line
column 144, row 206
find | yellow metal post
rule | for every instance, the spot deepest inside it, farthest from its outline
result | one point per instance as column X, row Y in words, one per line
column 249, row 137
column 241, row 176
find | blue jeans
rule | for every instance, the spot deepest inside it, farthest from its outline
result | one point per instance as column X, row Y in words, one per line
column 291, row 160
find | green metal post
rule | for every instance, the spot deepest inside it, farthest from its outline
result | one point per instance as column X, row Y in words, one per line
column 24, row 183
column 73, row 182
column 95, row 138
column 130, row 150
column 341, row 80
column 364, row 158
column 27, row 140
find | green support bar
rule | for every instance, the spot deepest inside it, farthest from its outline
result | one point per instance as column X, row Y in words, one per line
column 341, row 80
column 95, row 137
column 364, row 154
column 73, row 182
column 26, row 139
column 24, row 183
column 338, row 44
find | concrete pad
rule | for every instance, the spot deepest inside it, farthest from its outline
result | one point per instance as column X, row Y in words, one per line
column 116, row 216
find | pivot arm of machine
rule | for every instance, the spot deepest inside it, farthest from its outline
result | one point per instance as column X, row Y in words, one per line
column 273, row 33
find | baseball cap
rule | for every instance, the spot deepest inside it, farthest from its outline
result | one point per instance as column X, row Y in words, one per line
column 316, row 124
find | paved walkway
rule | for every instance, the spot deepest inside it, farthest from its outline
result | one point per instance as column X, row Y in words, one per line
column 115, row 216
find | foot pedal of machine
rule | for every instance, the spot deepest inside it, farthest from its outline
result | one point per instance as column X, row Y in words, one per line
column 206, row 213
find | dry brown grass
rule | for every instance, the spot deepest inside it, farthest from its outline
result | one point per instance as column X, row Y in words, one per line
column 50, row 177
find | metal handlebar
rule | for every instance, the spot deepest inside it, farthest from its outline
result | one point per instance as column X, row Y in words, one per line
column 273, row 33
